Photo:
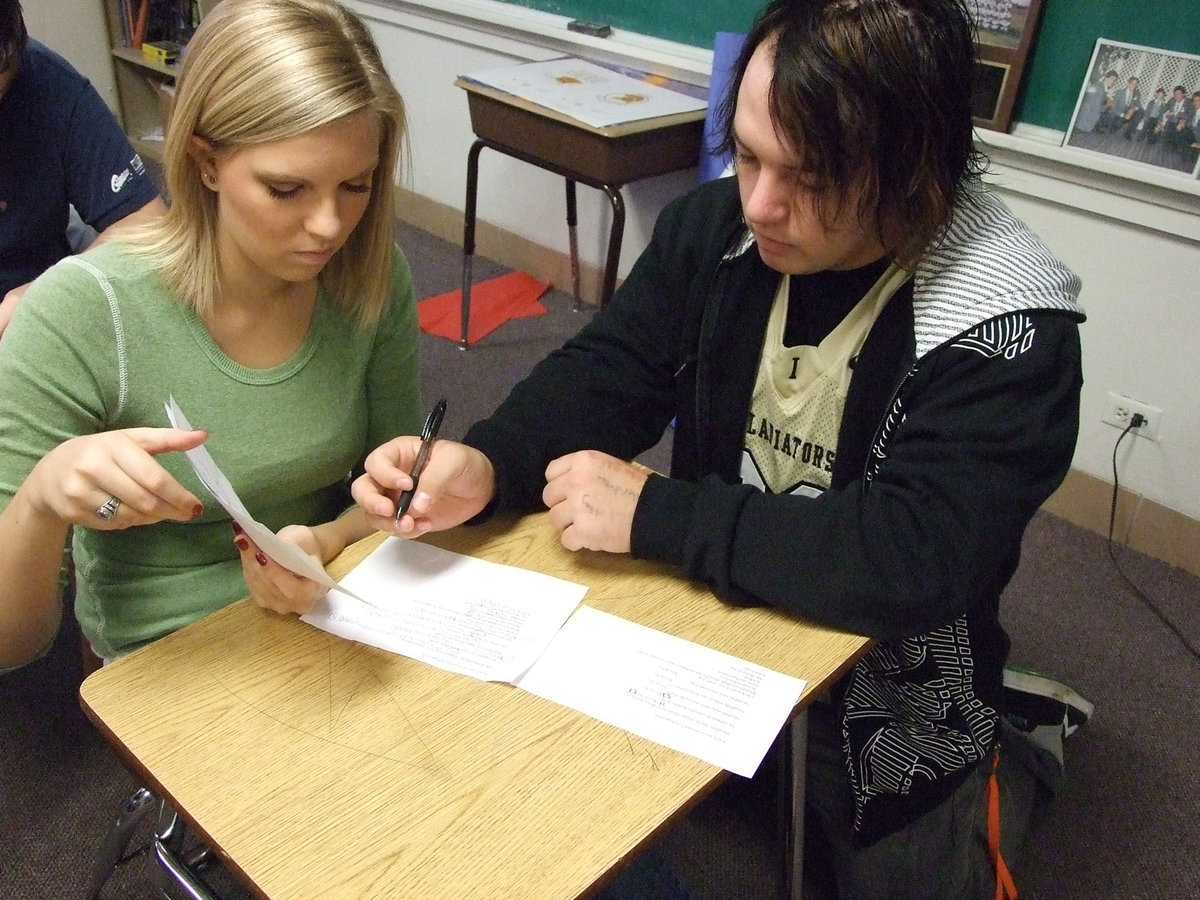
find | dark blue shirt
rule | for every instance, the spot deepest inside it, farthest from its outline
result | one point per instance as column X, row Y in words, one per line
column 59, row 146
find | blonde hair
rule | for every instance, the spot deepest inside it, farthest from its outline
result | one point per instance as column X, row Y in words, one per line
column 258, row 71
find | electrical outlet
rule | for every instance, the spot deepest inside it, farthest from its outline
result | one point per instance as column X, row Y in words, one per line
column 1120, row 410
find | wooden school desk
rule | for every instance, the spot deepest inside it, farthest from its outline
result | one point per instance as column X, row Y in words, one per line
column 318, row 767
column 602, row 158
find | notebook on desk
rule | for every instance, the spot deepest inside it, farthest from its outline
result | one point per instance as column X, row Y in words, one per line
column 592, row 94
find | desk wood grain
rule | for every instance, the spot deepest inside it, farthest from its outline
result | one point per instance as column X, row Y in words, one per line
column 318, row 767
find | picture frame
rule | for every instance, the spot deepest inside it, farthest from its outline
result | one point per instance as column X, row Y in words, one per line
column 1005, row 30
column 1140, row 105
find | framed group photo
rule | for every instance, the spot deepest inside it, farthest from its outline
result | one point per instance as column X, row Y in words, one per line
column 1004, row 32
column 1141, row 105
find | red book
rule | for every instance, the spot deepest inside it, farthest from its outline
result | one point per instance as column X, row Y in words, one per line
column 139, row 29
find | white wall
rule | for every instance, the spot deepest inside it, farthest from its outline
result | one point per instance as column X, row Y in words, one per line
column 1141, row 283
column 1141, row 290
column 75, row 29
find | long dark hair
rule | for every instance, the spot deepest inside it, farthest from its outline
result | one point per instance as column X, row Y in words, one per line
column 877, row 94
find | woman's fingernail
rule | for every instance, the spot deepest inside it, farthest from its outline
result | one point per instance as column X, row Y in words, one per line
column 241, row 543
column 237, row 529
column 260, row 558
column 197, row 510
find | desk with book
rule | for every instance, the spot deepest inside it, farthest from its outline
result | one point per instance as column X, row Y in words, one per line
column 587, row 123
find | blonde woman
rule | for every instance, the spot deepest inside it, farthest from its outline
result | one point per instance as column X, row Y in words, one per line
column 269, row 301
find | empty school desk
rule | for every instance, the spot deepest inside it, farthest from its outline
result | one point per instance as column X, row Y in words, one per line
column 319, row 767
column 603, row 158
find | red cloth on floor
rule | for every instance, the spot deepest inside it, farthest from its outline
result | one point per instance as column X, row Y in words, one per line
column 493, row 302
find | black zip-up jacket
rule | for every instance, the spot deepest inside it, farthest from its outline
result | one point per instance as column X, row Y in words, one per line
column 960, row 420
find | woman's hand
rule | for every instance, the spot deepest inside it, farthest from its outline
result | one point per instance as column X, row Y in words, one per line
column 271, row 585
column 458, row 482
column 100, row 481
column 114, row 470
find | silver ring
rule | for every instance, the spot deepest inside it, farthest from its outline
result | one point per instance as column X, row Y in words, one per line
column 108, row 509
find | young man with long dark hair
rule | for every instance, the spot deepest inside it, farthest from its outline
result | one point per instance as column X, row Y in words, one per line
column 874, row 371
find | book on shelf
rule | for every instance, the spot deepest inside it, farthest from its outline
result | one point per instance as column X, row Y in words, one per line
column 594, row 95
column 162, row 52
column 150, row 21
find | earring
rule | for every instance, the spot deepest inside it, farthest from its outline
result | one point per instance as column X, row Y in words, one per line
column 212, row 179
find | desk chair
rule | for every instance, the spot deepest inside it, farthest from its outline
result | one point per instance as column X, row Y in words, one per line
column 177, row 869
column 577, row 153
column 175, row 865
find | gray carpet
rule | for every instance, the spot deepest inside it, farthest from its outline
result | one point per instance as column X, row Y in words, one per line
column 1126, row 826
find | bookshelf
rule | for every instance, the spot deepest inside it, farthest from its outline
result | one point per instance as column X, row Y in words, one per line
column 145, row 87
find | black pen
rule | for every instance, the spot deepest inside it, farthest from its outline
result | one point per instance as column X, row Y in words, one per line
column 429, row 434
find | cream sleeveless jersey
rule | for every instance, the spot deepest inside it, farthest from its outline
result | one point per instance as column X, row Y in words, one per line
column 799, row 393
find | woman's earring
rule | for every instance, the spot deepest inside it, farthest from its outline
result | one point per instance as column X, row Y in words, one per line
column 212, row 179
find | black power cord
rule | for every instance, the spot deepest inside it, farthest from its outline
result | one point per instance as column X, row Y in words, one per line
column 1137, row 421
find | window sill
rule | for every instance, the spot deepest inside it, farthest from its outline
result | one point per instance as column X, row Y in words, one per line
column 1028, row 163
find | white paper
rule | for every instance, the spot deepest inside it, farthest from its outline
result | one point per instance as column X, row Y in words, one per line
column 455, row 612
column 716, row 707
column 590, row 93
column 283, row 552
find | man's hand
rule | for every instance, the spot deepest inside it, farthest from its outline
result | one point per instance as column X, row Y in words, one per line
column 458, row 482
column 591, row 497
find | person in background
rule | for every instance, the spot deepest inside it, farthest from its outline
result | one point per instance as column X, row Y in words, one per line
column 1095, row 110
column 1127, row 106
column 61, row 150
column 874, row 370
column 1186, row 135
column 1149, row 128
column 1175, row 114
column 269, row 301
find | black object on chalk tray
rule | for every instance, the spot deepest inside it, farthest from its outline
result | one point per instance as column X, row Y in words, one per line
column 595, row 29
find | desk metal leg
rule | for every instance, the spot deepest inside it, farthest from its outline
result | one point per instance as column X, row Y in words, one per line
column 614, row 242
column 133, row 809
column 615, row 235
column 573, row 239
column 180, row 867
column 794, row 761
column 469, row 236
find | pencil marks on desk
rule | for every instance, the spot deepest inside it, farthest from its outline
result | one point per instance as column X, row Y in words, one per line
column 633, row 750
column 352, row 694
column 331, row 692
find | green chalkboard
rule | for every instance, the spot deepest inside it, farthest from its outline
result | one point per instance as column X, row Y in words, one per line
column 1064, row 44
column 1059, row 59
column 694, row 22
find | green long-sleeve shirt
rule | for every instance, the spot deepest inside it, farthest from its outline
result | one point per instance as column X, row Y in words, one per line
column 98, row 344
